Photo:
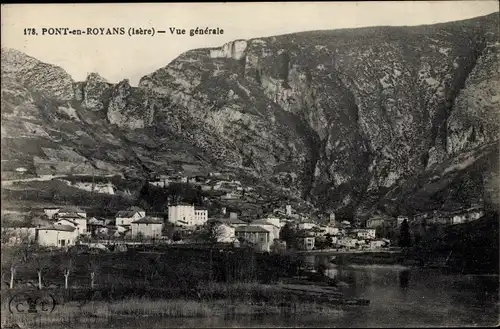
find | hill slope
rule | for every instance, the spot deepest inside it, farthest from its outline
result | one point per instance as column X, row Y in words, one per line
column 343, row 118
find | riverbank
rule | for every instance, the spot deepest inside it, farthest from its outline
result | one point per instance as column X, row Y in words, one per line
column 216, row 300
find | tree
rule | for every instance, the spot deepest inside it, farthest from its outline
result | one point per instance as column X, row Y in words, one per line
column 67, row 267
column 277, row 247
column 41, row 264
column 11, row 260
column 329, row 240
column 93, row 266
column 177, row 236
column 405, row 237
column 288, row 234
column 139, row 236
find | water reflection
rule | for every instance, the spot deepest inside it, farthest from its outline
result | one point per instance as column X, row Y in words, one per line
column 404, row 278
column 399, row 297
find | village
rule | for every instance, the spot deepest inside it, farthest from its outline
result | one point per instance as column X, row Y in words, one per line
column 279, row 229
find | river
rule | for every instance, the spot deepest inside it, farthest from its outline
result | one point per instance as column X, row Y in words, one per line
column 400, row 297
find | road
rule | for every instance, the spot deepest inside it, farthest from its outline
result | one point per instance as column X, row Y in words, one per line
column 346, row 252
column 42, row 179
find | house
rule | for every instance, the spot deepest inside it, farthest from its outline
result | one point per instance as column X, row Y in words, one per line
column 57, row 235
column 275, row 221
column 306, row 226
column 257, row 235
column 93, row 225
column 365, row 233
column 123, row 230
column 51, row 211
column 377, row 244
column 306, row 241
column 272, row 227
column 149, row 227
column 187, row 215
column 330, row 230
column 347, row 242
column 231, row 195
column 376, row 221
column 234, row 222
column 80, row 223
column 126, row 217
column 200, row 215
column 162, row 181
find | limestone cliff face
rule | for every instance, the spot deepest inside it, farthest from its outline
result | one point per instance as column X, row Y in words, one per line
column 234, row 50
column 94, row 92
column 128, row 107
column 475, row 119
column 340, row 118
column 49, row 79
column 216, row 109
column 371, row 107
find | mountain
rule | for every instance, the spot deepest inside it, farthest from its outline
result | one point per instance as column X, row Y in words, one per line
column 350, row 120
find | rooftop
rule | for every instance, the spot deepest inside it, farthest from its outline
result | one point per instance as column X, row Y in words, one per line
column 126, row 213
column 135, row 208
column 71, row 209
column 71, row 215
column 262, row 222
column 227, row 220
column 148, row 220
column 251, row 229
column 65, row 228
column 180, row 204
column 67, row 220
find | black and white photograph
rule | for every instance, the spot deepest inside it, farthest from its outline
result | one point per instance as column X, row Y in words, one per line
column 250, row 165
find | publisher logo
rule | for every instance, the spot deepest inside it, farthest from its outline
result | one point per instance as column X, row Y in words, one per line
column 26, row 303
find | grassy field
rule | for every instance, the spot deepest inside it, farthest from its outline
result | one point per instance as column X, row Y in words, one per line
column 101, row 311
column 168, row 283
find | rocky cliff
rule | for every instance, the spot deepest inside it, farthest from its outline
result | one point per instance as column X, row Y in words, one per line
column 342, row 118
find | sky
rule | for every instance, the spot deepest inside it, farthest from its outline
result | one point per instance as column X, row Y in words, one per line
column 119, row 57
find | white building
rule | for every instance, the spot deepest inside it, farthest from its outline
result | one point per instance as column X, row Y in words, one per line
column 306, row 225
column 147, row 227
column 50, row 212
column 131, row 214
column 272, row 227
column 347, row 242
column 365, row 233
column 377, row 244
column 57, row 235
column 331, row 230
column 187, row 215
column 275, row 221
column 200, row 216
column 80, row 223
